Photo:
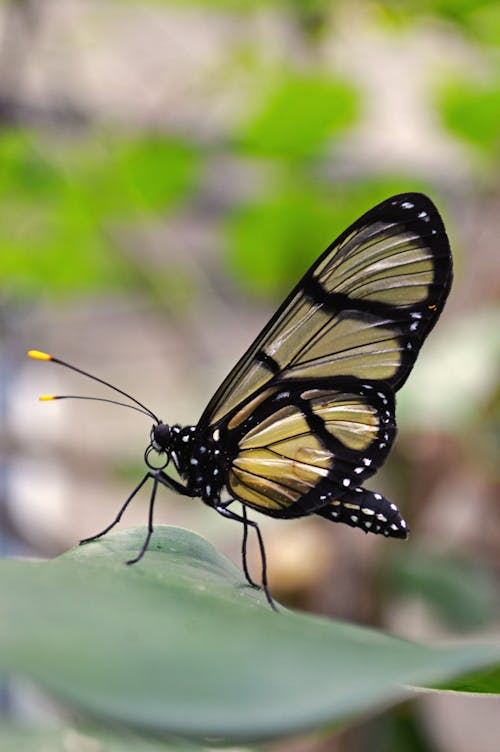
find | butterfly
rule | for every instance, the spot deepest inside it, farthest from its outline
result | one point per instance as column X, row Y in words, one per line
column 307, row 414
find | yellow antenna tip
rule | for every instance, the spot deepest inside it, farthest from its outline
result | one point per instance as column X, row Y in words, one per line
column 37, row 355
column 47, row 397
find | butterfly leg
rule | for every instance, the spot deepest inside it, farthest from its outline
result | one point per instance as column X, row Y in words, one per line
column 225, row 512
column 120, row 513
column 152, row 498
column 244, row 549
column 158, row 477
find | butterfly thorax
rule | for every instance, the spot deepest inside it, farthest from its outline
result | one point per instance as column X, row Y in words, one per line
column 199, row 460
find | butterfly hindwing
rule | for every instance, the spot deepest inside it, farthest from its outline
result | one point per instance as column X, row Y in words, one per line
column 290, row 439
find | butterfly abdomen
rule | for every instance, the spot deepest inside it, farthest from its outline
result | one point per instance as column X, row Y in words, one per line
column 367, row 510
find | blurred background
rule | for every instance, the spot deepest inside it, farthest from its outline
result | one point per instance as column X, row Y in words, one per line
column 168, row 170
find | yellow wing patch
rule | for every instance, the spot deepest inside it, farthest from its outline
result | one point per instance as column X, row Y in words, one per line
column 281, row 459
column 259, row 492
column 346, row 346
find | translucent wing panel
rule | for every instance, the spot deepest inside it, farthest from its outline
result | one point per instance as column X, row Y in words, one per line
column 285, row 452
column 251, row 373
column 361, row 311
column 261, row 493
column 347, row 418
column 362, row 347
column 382, row 263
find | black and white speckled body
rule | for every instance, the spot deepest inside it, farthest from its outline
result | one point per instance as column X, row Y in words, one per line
column 200, row 461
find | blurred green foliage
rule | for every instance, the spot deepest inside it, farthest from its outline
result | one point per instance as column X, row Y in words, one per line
column 479, row 20
column 471, row 111
column 69, row 201
column 61, row 200
column 299, row 114
column 397, row 731
column 461, row 593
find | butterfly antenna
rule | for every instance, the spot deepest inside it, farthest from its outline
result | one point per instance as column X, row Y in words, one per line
column 37, row 355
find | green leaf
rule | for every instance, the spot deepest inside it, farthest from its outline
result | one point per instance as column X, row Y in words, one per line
column 149, row 173
column 461, row 12
column 485, row 23
column 298, row 113
column 180, row 645
column 485, row 682
column 471, row 111
column 84, row 740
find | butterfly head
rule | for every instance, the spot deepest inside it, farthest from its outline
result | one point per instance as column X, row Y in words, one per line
column 161, row 438
column 171, row 443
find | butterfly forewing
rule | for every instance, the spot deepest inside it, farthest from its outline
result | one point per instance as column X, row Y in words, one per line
column 362, row 310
